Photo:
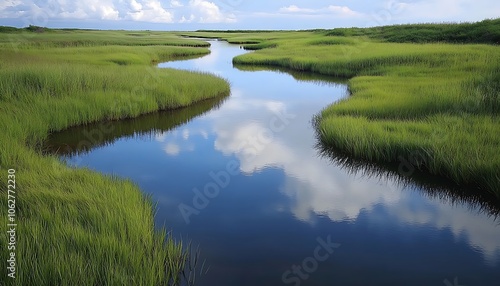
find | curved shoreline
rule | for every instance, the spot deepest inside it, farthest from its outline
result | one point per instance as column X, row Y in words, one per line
column 79, row 227
column 405, row 99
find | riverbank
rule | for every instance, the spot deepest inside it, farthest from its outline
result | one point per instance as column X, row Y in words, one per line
column 75, row 226
column 432, row 105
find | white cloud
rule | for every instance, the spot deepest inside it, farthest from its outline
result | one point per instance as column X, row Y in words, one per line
column 150, row 11
column 90, row 9
column 209, row 12
column 135, row 6
column 176, row 4
column 252, row 16
column 108, row 13
column 136, row 10
column 295, row 9
column 9, row 4
column 153, row 11
column 343, row 11
column 339, row 11
column 186, row 20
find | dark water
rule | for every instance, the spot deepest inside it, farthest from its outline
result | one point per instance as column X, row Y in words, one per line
column 244, row 179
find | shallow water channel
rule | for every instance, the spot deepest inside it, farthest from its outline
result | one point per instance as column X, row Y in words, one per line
column 245, row 180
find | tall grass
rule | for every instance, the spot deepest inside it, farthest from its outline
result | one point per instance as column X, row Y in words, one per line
column 77, row 227
column 26, row 38
column 82, row 139
column 487, row 32
column 438, row 99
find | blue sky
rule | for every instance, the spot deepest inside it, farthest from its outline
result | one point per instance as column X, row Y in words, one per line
column 239, row 14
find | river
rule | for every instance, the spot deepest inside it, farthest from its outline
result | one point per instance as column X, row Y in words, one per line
column 243, row 178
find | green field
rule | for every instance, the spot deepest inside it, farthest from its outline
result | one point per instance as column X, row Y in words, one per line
column 75, row 226
column 438, row 98
column 431, row 90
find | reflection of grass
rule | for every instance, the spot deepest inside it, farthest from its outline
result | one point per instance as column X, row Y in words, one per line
column 406, row 174
column 438, row 99
column 297, row 75
column 81, row 139
column 76, row 227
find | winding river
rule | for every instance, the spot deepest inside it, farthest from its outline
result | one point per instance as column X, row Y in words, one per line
column 243, row 178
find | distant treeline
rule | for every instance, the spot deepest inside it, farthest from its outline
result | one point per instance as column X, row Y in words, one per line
column 487, row 32
column 30, row 28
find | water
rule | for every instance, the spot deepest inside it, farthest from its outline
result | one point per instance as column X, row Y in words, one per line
column 244, row 179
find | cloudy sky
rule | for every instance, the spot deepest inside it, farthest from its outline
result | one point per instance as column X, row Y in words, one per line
column 239, row 14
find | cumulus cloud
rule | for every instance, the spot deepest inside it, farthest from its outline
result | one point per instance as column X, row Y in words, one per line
column 296, row 9
column 209, row 12
column 149, row 11
column 154, row 11
column 343, row 10
column 175, row 4
column 187, row 20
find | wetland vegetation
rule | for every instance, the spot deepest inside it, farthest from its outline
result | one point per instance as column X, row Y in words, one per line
column 438, row 97
column 78, row 227
column 431, row 90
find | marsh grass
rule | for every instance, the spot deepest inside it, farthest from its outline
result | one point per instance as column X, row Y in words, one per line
column 79, row 140
column 26, row 39
column 75, row 226
column 436, row 99
column 486, row 31
column 434, row 186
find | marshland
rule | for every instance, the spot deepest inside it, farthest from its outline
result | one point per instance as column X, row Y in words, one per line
column 383, row 140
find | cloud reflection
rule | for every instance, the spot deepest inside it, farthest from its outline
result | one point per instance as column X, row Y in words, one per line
column 318, row 188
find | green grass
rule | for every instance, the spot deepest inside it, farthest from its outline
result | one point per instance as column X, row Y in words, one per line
column 26, row 38
column 487, row 32
column 437, row 99
column 75, row 226
column 82, row 139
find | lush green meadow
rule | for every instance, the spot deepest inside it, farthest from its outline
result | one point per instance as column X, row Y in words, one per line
column 75, row 226
column 438, row 100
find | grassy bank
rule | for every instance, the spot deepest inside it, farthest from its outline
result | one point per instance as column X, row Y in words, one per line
column 438, row 100
column 77, row 227
column 486, row 32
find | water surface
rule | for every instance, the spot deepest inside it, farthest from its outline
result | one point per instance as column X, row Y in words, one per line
column 244, row 179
